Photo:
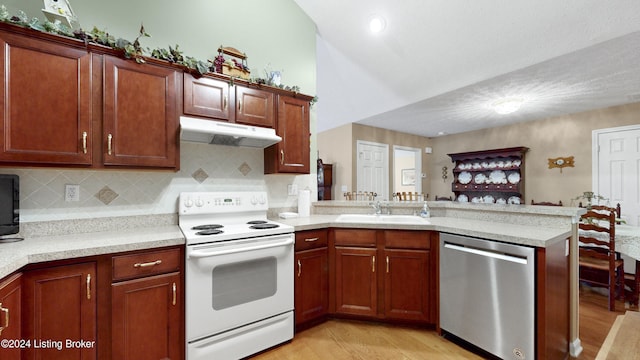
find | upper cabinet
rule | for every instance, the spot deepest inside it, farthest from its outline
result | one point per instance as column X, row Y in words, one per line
column 46, row 102
column 292, row 154
column 140, row 116
column 219, row 100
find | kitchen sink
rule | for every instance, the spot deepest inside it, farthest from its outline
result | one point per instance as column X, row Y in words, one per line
column 382, row 219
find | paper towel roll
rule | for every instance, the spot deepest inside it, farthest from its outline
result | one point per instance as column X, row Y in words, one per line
column 304, row 202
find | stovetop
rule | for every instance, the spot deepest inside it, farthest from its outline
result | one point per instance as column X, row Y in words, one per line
column 225, row 216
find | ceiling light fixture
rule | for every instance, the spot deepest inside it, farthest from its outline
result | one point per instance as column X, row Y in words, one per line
column 377, row 24
column 507, row 105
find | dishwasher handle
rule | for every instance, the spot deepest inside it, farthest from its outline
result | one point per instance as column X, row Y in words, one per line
column 486, row 253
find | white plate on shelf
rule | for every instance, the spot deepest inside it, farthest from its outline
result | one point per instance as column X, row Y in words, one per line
column 476, row 200
column 464, row 177
column 498, row 177
column 514, row 200
column 477, row 166
column 514, row 178
column 463, row 198
column 480, row 178
column 461, row 166
column 517, row 162
column 488, row 199
column 501, row 201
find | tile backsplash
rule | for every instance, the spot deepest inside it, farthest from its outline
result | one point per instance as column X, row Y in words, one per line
column 106, row 193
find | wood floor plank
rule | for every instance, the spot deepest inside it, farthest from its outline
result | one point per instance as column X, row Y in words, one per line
column 359, row 340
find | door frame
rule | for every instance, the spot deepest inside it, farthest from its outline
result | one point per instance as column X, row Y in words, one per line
column 595, row 150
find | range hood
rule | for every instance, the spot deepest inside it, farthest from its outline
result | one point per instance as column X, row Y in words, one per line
column 221, row 133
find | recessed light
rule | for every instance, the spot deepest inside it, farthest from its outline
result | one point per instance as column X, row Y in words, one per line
column 507, row 105
column 377, row 24
column 440, row 133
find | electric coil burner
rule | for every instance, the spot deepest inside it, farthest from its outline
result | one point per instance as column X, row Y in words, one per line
column 239, row 288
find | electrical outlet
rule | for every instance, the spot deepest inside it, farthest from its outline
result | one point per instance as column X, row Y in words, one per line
column 292, row 189
column 71, row 192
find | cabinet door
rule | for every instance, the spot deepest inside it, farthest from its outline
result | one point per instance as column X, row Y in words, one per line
column 291, row 155
column 140, row 118
column 356, row 285
column 406, row 284
column 10, row 307
column 60, row 305
column 311, row 284
column 207, row 97
column 147, row 318
column 46, row 115
column 255, row 107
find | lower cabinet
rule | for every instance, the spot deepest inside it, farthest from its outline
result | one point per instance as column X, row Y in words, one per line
column 384, row 274
column 10, row 317
column 311, row 276
column 59, row 312
column 146, row 306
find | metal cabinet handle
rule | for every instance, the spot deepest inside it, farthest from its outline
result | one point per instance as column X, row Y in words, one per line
column 239, row 105
column 224, row 102
column 299, row 268
column 6, row 318
column 282, row 157
column 109, row 140
column 373, row 264
column 88, row 286
column 147, row 264
column 387, row 264
column 84, row 142
column 174, row 290
column 311, row 239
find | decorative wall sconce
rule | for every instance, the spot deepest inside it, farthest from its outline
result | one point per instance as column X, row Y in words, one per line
column 444, row 173
column 561, row 162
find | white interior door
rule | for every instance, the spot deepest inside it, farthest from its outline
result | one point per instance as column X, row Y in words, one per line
column 616, row 172
column 373, row 168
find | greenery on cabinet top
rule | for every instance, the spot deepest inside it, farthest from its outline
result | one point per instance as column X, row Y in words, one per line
column 130, row 50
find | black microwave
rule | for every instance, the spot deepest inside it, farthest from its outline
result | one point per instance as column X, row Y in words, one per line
column 9, row 204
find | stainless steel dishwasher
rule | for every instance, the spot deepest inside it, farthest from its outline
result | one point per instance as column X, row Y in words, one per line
column 487, row 295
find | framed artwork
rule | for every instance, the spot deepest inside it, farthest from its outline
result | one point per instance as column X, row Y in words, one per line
column 408, row 176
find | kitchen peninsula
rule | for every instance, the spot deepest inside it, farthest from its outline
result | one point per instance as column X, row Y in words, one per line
column 544, row 228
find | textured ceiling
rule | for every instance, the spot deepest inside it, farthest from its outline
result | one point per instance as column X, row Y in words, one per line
column 439, row 64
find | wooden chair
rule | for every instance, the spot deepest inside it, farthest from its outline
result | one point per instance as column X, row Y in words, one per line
column 443, row 198
column 546, row 203
column 598, row 255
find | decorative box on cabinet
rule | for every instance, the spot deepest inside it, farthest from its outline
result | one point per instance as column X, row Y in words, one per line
column 489, row 176
column 217, row 99
column 312, row 277
column 292, row 154
column 10, row 316
column 46, row 101
column 59, row 303
column 147, row 305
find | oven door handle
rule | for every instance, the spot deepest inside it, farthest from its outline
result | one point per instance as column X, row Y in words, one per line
column 204, row 254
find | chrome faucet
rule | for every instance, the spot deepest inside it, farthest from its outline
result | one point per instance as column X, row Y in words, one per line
column 377, row 206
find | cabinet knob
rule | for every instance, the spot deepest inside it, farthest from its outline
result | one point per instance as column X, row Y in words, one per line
column 373, row 264
column 6, row 318
column 299, row 268
column 109, row 140
column 281, row 157
column 84, row 142
column 174, row 290
column 88, row 286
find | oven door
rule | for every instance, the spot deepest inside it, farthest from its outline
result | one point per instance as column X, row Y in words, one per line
column 236, row 283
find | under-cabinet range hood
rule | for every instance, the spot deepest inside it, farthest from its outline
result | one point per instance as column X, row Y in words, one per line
column 221, row 133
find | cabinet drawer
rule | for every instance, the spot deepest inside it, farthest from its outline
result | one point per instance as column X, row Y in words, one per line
column 311, row 239
column 407, row 239
column 146, row 264
column 355, row 237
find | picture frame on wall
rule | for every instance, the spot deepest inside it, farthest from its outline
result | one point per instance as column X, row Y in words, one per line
column 408, row 176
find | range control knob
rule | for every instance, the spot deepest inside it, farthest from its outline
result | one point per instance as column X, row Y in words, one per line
column 199, row 202
column 262, row 200
column 188, row 203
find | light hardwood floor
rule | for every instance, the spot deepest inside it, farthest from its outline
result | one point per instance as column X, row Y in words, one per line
column 345, row 340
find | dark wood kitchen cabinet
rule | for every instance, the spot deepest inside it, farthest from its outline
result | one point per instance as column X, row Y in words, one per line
column 10, row 315
column 292, row 154
column 385, row 274
column 219, row 100
column 140, row 114
column 147, row 305
column 59, row 304
column 356, row 285
column 46, row 101
column 312, row 276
